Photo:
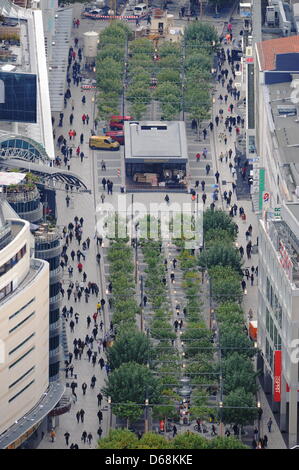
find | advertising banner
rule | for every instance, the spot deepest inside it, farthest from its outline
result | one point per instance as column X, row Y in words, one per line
column 277, row 376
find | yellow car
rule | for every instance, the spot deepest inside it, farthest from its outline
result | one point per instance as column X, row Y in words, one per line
column 102, row 142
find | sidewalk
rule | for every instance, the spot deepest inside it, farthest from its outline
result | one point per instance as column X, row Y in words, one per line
column 250, row 299
column 81, row 204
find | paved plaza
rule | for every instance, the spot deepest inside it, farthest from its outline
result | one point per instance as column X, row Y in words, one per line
column 84, row 204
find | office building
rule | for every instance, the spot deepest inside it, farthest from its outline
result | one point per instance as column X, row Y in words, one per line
column 278, row 321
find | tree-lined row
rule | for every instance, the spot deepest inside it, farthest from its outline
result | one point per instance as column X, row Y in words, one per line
column 222, row 260
column 110, row 67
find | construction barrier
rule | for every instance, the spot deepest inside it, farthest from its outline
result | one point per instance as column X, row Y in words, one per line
column 113, row 17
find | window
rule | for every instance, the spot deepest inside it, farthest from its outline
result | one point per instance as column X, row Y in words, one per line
column 21, row 322
column 22, row 357
column 22, row 308
column 6, row 290
column 21, row 391
column 268, row 290
column 12, row 261
column 21, row 344
column 267, row 320
column 22, row 377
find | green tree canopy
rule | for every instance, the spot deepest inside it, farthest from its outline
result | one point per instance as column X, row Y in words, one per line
column 238, row 372
column 218, row 219
column 119, row 439
column 130, row 346
column 220, row 254
column 239, row 407
column 132, row 382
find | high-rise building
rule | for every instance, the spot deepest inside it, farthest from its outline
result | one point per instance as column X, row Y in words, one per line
column 24, row 335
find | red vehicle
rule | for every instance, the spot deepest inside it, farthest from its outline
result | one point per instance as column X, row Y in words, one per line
column 118, row 136
column 117, row 122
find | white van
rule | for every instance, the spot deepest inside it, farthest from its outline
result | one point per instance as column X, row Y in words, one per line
column 140, row 9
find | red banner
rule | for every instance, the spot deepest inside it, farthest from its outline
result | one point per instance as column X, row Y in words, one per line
column 277, row 376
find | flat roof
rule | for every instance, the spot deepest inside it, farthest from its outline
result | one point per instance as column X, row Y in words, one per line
column 29, row 57
column 161, row 140
column 268, row 50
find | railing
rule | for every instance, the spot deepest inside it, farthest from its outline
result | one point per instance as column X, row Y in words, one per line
column 24, row 196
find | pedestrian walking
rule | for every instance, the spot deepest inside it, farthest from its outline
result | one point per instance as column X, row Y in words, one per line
column 82, row 413
column 78, row 416
column 100, row 398
column 84, row 436
column 269, row 424
column 100, row 416
column 93, row 381
column 84, row 388
column 89, row 438
column 67, row 436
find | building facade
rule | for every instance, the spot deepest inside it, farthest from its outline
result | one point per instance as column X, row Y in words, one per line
column 24, row 324
column 278, row 318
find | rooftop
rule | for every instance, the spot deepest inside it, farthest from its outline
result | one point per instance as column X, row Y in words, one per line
column 148, row 140
column 28, row 56
column 285, row 128
column 46, row 404
column 268, row 50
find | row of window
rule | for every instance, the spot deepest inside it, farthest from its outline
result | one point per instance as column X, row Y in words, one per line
column 272, row 330
column 22, row 377
column 21, row 344
column 22, row 308
column 273, row 301
column 21, row 322
column 269, row 354
column 21, row 391
column 12, row 261
column 22, row 357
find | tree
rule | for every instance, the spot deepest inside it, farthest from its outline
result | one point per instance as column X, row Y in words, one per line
column 219, row 254
column 226, row 443
column 239, row 407
column 189, row 440
column 230, row 313
column 198, row 61
column 219, row 219
column 238, row 372
column 128, row 411
column 130, row 346
column 218, row 234
column 169, row 75
column 138, row 109
column 225, row 283
column 196, row 340
column 119, row 439
column 151, row 440
column 200, row 33
column 232, row 339
column 132, row 382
